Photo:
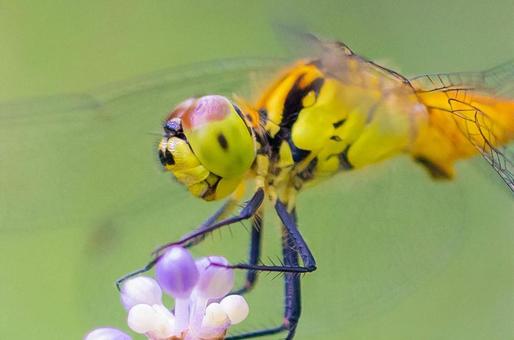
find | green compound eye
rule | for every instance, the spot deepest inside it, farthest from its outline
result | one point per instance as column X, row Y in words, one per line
column 219, row 137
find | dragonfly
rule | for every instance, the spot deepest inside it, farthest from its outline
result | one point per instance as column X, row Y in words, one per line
column 330, row 113
column 335, row 113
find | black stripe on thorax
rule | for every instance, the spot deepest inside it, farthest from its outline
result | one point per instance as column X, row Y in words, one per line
column 308, row 173
column 292, row 107
column 344, row 162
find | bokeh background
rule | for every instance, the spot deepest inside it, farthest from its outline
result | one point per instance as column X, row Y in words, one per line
column 83, row 201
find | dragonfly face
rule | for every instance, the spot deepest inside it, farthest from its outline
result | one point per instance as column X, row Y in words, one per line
column 207, row 145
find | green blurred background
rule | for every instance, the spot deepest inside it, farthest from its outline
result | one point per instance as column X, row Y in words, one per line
column 82, row 200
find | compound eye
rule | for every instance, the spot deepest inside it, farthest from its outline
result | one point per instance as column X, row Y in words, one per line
column 172, row 127
column 219, row 137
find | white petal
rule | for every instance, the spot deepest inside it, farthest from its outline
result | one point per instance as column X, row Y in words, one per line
column 236, row 308
column 140, row 290
column 165, row 323
column 215, row 316
column 142, row 318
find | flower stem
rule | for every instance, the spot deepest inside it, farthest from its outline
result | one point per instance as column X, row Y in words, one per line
column 197, row 314
column 181, row 314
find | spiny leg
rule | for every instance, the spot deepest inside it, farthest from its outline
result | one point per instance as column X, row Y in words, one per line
column 292, row 288
column 255, row 242
column 254, row 253
column 292, row 305
column 289, row 222
column 292, row 245
column 248, row 211
column 226, row 208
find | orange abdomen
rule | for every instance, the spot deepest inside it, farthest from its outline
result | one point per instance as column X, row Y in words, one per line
column 461, row 124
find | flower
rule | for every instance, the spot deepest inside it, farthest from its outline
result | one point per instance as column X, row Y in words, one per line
column 107, row 333
column 176, row 272
column 202, row 310
column 140, row 290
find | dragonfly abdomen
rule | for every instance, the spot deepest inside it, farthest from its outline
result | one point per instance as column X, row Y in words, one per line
column 460, row 125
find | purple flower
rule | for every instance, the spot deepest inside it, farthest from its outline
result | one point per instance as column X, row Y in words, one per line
column 107, row 333
column 176, row 272
column 194, row 285
column 215, row 281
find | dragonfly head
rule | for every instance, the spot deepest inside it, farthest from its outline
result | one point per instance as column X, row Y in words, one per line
column 208, row 146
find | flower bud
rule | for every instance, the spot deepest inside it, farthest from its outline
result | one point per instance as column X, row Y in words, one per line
column 140, row 290
column 236, row 308
column 165, row 323
column 107, row 333
column 215, row 316
column 176, row 272
column 142, row 318
column 215, row 281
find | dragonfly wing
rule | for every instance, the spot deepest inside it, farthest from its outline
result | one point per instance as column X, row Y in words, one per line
column 339, row 61
column 480, row 129
column 489, row 128
column 221, row 76
column 497, row 81
column 59, row 153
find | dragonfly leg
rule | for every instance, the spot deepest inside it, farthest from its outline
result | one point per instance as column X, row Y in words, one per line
column 223, row 210
column 292, row 288
column 299, row 245
column 248, row 211
column 254, row 253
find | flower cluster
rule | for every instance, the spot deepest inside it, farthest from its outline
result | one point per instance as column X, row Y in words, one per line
column 202, row 308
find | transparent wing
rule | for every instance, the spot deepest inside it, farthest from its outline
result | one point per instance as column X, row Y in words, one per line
column 167, row 86
column 498, row 81
column 69, row 160
column 338, row 60
column 486, row 133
